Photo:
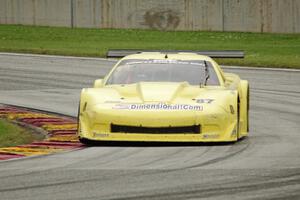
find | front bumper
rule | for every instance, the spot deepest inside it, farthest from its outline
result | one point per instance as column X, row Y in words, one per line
column 216, row 126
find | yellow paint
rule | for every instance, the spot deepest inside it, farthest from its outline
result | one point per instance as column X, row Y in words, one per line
column 29, row 151
column 50, row 127
column 26, row 115
column 68, row 138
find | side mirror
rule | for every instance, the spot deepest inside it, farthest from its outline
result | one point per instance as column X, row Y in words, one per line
column 98, row 83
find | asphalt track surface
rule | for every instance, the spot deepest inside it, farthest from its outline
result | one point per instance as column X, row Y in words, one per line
column 266, row 165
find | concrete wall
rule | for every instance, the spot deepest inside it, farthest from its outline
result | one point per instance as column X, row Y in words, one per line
column 35, row 12
column 281, row 16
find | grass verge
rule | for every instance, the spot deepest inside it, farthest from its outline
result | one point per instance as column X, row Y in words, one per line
column 13, row 135
column 262, row 50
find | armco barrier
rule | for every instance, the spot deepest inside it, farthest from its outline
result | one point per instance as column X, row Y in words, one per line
column 277, row 16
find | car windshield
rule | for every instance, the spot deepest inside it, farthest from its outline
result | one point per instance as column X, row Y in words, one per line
column 134, row 71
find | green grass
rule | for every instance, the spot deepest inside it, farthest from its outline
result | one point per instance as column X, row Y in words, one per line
column 12, row 135
column 262, row 50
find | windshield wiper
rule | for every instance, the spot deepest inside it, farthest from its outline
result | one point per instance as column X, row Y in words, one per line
column 206, row 75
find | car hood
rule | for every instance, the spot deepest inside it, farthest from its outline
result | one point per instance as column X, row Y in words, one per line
column 156, row 92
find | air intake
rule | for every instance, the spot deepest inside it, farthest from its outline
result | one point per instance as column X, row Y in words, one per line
column 195, row 129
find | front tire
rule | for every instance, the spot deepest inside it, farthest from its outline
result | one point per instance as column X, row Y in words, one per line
column 78, row 121
column 86, row 142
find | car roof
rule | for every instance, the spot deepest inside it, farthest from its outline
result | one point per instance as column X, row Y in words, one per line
column 171, row 56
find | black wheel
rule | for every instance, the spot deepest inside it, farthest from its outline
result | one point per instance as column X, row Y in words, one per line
column 238, row 120
column 86, row 141
column 78, row 118
column 248, row 106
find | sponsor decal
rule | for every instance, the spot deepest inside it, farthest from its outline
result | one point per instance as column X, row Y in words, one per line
column 231, row 109
column 210, row 136
column 234, row 133
column 159, row 61
column 121, row 106
column 101, row 134
column 158, row 106
column 201, row 101
column 112, row 102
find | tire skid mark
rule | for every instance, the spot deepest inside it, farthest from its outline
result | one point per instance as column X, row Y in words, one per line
column 115, row 156
column 60, row 133
column 165, row 157
column 91, row 160
column 26, row 73
column 198, row 191
column 236, row 150
column 275, row 91
column 188, row 160
column 40, row 79
column 55, row 84
column 104, row 177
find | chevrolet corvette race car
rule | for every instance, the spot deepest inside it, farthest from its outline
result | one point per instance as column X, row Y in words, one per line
column 165, row 97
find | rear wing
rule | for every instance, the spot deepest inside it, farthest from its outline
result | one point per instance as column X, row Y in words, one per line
column 119, row 53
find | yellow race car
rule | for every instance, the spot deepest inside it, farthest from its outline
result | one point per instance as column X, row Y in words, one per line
column 165, row 97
